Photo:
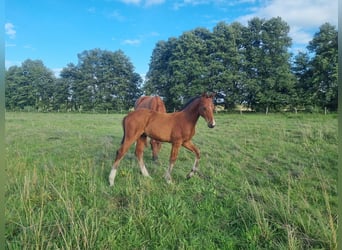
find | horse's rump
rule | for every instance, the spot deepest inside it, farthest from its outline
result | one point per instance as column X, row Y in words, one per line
column 150, row 102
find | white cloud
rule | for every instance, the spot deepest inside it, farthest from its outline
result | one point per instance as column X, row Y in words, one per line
column 115, row 14
column 57, row 71
column 145, row 3
column 132, row 42
column 306, row 13
column 302, row 15
column 131, row 1
column 300, row 35
column 153, row 2
column 91, row 10
column 29, row 47
column 153, row 34
column 220, row 3
column 7, row 45
column 10, row 31
column 179, row 4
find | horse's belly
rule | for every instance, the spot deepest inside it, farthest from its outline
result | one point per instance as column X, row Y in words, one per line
column 158, row 133
column 160, row 129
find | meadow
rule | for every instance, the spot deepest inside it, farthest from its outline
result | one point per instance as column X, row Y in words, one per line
column 267, row 182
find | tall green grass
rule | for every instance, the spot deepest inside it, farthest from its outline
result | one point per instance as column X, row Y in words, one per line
column 267, row 182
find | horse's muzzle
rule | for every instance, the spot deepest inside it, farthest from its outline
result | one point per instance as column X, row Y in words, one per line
column 211, row 124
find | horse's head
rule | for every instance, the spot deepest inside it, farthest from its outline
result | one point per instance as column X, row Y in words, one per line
column 206, row 109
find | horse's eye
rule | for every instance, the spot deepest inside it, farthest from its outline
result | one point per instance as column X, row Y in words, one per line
column 204, row 108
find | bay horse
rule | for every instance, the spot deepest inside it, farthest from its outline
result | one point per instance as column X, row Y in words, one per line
column 177, row 128
column 153, row 103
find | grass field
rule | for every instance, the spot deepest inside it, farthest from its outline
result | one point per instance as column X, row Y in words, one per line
column 270, row 182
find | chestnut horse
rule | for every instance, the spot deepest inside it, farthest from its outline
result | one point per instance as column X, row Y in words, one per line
column 154, row 103
column 177, row 128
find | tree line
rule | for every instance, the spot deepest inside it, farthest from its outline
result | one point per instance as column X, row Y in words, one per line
column 101, row 81
column 249, row 65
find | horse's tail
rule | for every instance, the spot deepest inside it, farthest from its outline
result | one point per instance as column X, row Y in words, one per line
column 124, row 130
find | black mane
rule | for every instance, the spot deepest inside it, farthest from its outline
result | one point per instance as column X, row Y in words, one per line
column 189, row 101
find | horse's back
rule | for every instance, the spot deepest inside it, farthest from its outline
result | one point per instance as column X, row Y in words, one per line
column 144, row 115
column 150, row 102
column 139, row 115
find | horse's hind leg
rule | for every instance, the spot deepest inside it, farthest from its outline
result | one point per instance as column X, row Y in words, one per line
column 139, row 151
column 173, row 157
column 189, row 145
column 119, row 155
column 156, row 146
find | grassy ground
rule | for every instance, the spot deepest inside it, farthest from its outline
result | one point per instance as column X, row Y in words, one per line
column 270, row 182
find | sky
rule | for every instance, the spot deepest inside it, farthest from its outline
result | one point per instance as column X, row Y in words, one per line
column 55, row 31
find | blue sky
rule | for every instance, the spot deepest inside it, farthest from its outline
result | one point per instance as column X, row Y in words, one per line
column 55, row 31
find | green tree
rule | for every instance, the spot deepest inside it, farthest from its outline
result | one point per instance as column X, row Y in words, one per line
column 226, row 58
column 324, row 66
column 61, row 96
column 270, row 82
column 250, row 65
column 252, row 42
column 189, row 65
column 179, row 68
column 29, row 86
column 303, row 92
column 71, row 76
column 13, row 80
column 102, row 80
column 158, row 78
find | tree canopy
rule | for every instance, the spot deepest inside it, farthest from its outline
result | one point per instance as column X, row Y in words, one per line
column 249, row 65
column 102, row 80
column 31, row 85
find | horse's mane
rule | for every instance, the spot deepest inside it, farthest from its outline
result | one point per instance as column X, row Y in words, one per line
column 189, row 101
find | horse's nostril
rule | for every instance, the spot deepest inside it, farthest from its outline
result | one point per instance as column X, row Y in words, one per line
column 210, row 125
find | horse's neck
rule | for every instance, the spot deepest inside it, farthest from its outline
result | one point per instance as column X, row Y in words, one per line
column 192, row 111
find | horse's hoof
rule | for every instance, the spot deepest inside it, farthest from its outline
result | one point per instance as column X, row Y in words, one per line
column 190, row 175
column 168, row 179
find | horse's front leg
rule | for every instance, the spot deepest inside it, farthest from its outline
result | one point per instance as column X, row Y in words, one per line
column 139, row 151
column 173, row 157
column 189, row 145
